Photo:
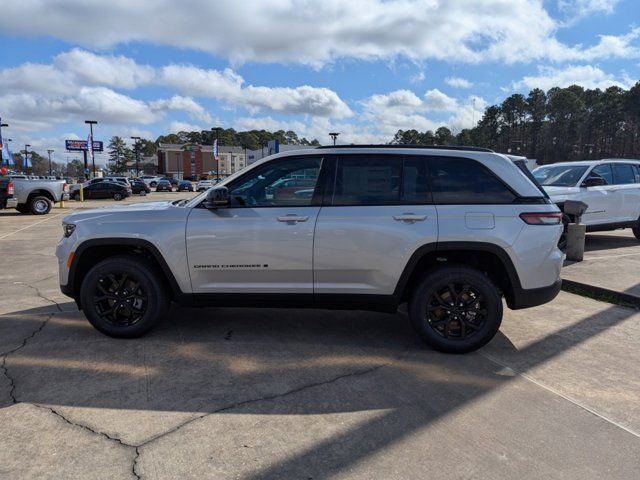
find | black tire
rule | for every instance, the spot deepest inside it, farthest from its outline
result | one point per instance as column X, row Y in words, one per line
column 153, row 184
column 636, row 230
column 143, row 193
column 75, row 196
column 118, row 196
column 22, row 208
column 40, row 205
column 455, row 328
column 99, row 293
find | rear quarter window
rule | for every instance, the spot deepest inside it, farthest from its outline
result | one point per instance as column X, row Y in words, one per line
column 457, row 180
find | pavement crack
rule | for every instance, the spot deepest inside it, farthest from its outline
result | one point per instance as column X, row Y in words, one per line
column 97, row 432
column 39, row 294
column 274, row 396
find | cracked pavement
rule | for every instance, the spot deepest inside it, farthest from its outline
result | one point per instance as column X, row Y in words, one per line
column 254, row 394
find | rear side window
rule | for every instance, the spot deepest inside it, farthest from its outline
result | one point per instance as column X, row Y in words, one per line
column 365, row 180
column 464, row 181
column 636, row 172
column 623, row 173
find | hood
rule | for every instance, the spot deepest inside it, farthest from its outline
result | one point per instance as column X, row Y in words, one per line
column 116, row 210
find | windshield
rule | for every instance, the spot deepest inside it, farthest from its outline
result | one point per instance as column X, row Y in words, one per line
column 559, row 175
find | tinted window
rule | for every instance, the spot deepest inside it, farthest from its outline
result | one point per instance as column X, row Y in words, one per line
column 290, row 182
column 636, row 172
column 623, row 173
column 603, row 171
column 415, row 181
column 560, row 175
column 364, row 180
column 461, row 180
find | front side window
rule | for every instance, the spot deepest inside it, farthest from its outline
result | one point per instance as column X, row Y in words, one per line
column 604, row 172
column 623, row 173
column 464, row 181
column 559, row 175
column 290, row 182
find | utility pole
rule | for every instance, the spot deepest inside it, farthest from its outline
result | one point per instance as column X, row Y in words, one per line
column 136, row 151
column 2, row 143
column 334, row 135
column 91, row 123
column 50, row 151
column 215, row 153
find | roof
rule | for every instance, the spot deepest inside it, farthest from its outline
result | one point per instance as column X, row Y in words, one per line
column 587, row 163
column 422, row 147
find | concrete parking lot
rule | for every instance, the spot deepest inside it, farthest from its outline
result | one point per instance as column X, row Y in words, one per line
column 291, row 394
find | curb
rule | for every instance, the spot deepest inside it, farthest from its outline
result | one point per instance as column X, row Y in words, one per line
column 600, row 293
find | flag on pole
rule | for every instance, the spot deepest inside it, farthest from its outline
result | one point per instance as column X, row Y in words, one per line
column 215, row 149
column 26, row 161
column 90, row 146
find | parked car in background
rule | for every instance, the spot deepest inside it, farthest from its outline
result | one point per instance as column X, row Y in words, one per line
column 91, row 181
column 151, row 180
column 116, row 190
column 185, row 186
column 35, row 196
column 610, row 188
column 138, row 187
column 164, row 186
column 203, row 185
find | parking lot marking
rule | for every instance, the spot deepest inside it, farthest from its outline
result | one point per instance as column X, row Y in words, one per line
column 613, row 256
column 553, row 390
column 32, row 225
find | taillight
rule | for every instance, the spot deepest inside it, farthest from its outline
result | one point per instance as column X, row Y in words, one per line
column 65, row 188
column 10, row 188
column 542, row 218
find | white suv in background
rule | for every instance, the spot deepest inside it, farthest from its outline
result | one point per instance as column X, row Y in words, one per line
column 610, row 188
column 449, row 231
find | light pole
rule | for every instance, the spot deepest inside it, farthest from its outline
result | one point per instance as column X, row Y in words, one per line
column 136, row 150
column 215, row 153
column 2, row 144
column 334, row 135
column 26, row 158
column 50, row 151
column 91, row 123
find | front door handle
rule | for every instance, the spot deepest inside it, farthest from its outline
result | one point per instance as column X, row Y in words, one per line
column 292, row 218
column 409, row 218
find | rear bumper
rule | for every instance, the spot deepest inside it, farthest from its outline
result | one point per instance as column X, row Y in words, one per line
column 531, row 297
column 11, row 202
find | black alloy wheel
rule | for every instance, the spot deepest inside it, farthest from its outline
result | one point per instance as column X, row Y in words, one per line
column 120, row 299
column 456, row 310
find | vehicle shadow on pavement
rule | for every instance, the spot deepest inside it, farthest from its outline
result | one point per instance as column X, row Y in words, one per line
column 596, row 242
column 288, row 363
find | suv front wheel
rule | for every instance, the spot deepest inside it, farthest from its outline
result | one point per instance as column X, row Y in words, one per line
column 123, row 296
column 456, row 309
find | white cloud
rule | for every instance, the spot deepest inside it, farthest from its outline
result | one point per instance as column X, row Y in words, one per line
column 586, row 76
column 184, row 104
column 468, row 31
column 175, row 127
column 439, row 102
column 583, row 8
column 417, row 78
column 458, row 82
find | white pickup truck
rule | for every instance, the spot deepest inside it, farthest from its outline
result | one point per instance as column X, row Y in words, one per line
column 33, row 196
column 610, row 188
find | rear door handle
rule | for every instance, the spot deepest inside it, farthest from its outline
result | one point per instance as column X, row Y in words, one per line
column 409, row 217
column 292, row 218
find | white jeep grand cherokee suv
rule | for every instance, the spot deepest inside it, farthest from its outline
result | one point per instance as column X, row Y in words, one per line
column 450, row 231
column 610, row 188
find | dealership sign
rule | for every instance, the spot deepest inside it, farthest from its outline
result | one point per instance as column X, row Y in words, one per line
column 81, row 145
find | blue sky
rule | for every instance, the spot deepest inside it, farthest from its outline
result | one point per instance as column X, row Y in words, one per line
column 365, row 68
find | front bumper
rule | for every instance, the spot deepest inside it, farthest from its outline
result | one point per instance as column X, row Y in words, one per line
column 531, row 297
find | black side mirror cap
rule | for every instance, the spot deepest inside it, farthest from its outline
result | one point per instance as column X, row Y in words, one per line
column 217, row 197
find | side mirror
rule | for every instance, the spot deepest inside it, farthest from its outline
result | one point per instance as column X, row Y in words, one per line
column 594, row 182
column 217, row 197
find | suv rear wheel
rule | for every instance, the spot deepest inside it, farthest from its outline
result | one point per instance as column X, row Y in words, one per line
column 123, row 296
column 456, row 309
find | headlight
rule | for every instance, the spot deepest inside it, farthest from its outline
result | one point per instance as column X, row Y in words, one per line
column 68, row 229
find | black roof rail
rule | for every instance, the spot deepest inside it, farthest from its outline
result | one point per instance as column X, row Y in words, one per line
column 425, row 147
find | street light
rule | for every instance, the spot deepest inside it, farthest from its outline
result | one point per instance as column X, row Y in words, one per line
column 136, row 150
column 50, row 151
column 26, row 157
column 334, row 135
column 215, row 156
column 91, row 123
